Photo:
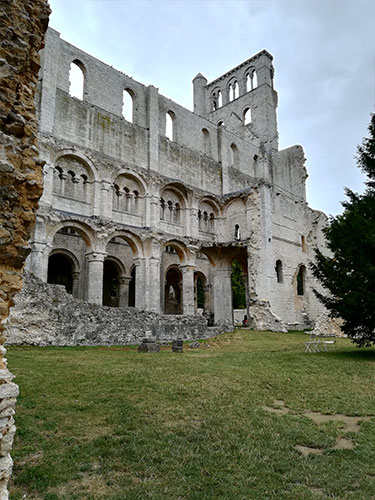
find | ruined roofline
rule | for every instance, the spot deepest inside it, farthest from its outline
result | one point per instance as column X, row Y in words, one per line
column 113, row 68
column 263, row 52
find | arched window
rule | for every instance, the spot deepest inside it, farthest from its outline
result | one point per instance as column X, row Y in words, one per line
column 84, row 181
column 206, row 141
column 58, row 178
column 211, row 222
column 170, row 131
column 237, row 235
column 126, row 199
column 219, row 99
column 135, row 201
column 279, row 271
column 177, row 210
column 231, row 92
column 234, row 155
column 76, row 80
column 236, row 90
column 301, row 280
column 170, row 211
column 199, row 219
column 127, row 105
column 220, row 123
column 116, row 197
column 162, row 209
column 247, row 116
column 70, row 184
column 251, row 80
column 248, row 82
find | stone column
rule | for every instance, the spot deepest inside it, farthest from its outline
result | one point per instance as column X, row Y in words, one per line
column 140, row 281
column 75, row 285
column 34, row 262
column 106, row 200
column 124, row 290
column 188, row 290
column 207, row 299
column 223, row 309
column 95, row 263
column 245, row 280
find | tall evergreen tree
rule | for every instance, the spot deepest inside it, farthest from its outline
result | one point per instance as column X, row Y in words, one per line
column 348, row 274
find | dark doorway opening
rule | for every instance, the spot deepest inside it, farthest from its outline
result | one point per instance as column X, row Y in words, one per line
column 132, row 288
column 60, row 271
column 173, row 289
column 110, row 284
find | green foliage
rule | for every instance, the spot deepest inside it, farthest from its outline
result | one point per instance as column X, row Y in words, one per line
column 238, row 286
column 349, row 273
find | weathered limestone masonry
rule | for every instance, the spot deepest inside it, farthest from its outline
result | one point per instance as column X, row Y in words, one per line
column 147, row 204
column 46, row 314
column 22, row 27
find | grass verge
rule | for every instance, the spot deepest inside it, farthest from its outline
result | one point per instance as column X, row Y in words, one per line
column 112, row 423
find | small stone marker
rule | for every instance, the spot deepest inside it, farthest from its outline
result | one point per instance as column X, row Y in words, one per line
column 194, row 345
column 149, row 345
column 177, row 345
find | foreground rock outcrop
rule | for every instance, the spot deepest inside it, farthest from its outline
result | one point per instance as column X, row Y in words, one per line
column 22, row 27
column 46, row 314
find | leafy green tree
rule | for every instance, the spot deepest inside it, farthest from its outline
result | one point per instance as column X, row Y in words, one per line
column 348, row 274
column 238, row 286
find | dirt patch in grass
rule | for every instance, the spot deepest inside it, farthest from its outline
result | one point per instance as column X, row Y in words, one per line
column 87, row 485
column 351, row 424
column 343, row 444
column 306, row 450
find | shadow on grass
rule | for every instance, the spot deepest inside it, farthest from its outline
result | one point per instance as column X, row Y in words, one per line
column 357, row 354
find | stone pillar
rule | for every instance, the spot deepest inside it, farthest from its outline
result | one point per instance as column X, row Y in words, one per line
column 153, row 292
column 75, row 285
column 124, row 290
column 95, row 263
column 199, row 86
column 207, row 299
column 34, row 262
column 153, row 127
column 223, row 309
column 49, row 78
column 188, row 290
column 245, row 280
column 106, row 200
column 140, row 282
column 224, row 159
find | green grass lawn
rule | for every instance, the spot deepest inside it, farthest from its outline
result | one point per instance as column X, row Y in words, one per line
column 112, row 423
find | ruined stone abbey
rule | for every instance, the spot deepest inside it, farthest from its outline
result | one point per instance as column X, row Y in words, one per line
column 145, row 202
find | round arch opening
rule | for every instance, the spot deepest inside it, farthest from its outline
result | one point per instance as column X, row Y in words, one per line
column 111, row 284
column 60, row 271
column 173, row 292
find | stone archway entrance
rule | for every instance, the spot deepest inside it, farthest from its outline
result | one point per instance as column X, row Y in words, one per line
column 111, row 276
column 60, row 271
column 172, row 293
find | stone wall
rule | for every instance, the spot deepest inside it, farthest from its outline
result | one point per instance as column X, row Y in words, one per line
column 22, row 27
column 46, row 314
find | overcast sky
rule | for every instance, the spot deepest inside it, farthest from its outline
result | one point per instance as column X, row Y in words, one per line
column 324, row 58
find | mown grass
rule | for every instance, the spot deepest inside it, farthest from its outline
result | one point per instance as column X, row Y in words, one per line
column 112, row 423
